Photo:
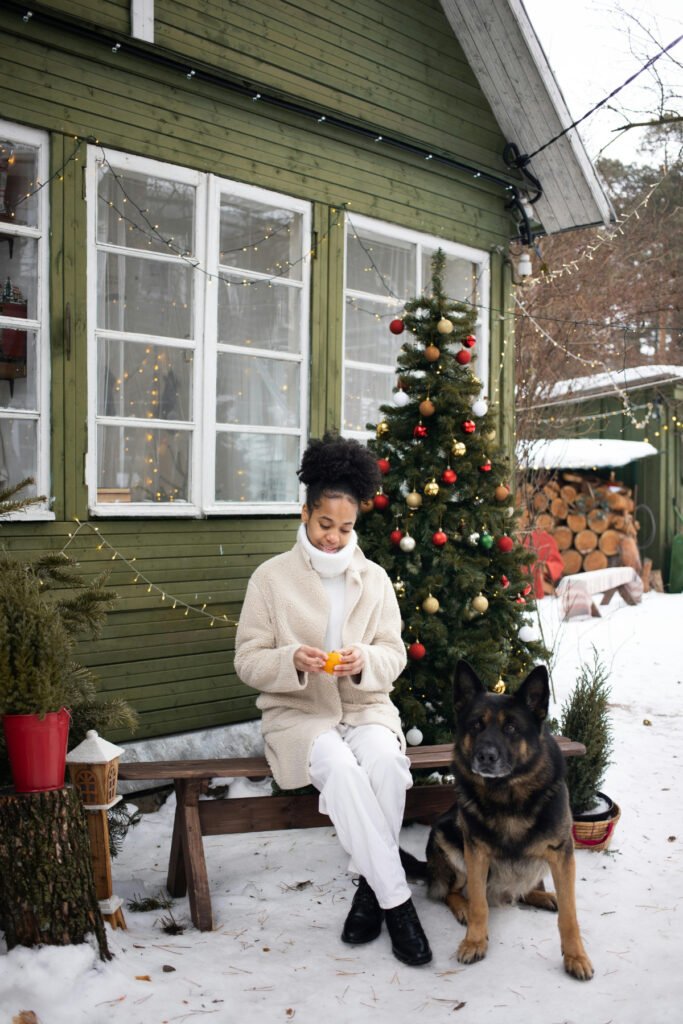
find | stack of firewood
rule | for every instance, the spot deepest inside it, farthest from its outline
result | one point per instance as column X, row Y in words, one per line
column 588, row 517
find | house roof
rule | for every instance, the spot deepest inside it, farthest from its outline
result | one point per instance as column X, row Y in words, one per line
column 580, row 452
column 599, row 385
column 505, row 54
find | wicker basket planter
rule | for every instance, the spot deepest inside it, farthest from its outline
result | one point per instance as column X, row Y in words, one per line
column 594, row 830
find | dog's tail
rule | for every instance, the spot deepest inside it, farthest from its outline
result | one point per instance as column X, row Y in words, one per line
column 414, row 868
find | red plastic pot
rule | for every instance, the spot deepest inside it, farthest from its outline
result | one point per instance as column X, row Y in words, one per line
column 36, row 748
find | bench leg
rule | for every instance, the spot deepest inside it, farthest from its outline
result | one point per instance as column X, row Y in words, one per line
column 176, row 883
column 609, row 594
column 193, row 854
column 626, row 594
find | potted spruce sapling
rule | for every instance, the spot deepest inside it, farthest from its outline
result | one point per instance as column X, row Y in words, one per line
column 586, row 718
column 44, row 606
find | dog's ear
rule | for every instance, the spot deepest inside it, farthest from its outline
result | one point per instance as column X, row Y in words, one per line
column 535, row 692
column 466, row 685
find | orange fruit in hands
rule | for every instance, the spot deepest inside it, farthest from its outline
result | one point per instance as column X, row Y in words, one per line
column 333, row 658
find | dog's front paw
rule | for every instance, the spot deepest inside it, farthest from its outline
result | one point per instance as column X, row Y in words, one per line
column 579, row 967
column 470, row 950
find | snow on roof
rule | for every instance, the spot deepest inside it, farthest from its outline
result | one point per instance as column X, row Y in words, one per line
column 632, row 377
column 580, row 452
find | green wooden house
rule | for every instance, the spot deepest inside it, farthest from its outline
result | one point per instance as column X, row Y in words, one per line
column 209, row 213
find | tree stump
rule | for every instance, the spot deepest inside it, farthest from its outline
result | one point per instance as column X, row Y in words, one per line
column 47, row 891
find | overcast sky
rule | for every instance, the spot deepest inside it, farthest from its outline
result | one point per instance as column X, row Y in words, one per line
column 593, row 46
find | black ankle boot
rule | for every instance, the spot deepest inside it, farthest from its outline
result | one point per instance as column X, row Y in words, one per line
column 408, row 941
column 364, row 920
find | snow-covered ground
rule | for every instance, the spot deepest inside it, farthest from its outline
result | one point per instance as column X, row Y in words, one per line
column 280, row 899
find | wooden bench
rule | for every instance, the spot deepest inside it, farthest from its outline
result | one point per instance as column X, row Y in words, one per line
column 195, row 818
column 576, row 592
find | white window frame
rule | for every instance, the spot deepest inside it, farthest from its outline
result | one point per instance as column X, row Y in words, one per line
column 204, row 342
column 357, row 223
column 40, row 325
column 217, row 186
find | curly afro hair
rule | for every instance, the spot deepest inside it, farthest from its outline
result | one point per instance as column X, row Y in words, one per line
column 333, row 465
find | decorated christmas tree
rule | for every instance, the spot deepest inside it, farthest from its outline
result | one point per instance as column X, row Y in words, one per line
column 443, row 524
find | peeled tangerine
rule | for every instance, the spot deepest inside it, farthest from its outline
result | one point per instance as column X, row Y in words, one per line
column 333, row 658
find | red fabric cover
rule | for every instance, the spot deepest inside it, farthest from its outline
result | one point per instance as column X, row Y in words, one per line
column 548, row 564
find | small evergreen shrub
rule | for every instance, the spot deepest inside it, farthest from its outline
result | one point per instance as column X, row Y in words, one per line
column 586, row 718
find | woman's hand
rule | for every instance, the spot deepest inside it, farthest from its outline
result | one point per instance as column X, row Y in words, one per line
column 309, row 659
column 351, row 664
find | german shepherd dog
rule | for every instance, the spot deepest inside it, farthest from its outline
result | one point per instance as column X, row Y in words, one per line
column 511, row 820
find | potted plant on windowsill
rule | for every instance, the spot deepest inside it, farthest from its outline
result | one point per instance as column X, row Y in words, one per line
column 586, row 718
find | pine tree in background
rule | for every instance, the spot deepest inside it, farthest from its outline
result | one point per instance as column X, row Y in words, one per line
column 443, row 522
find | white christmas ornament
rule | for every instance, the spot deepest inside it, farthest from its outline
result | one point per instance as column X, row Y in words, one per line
column 414, row 736
column 473, row 538
column 401, row 398
column 407, row 543
column 526, row 634
column 480, row 407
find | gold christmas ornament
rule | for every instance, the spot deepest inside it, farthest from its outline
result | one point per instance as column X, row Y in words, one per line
column 430, row 605
column 366, row 506
column 501, row 492
column 480, row 603
column 458, row 448
column 382, row 428
column 499, row 687
column 432, row 488
column 489, row 435
column 400, row 587
column 444, row 326
column 414, row 500
column 427, row 407
column 432, row 353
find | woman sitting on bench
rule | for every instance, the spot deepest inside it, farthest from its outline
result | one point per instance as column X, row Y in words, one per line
column 335, row 726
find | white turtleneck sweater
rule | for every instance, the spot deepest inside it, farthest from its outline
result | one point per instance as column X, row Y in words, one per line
column 331, row 567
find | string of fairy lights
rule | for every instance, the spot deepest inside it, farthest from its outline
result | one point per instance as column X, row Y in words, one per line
column 140, row 578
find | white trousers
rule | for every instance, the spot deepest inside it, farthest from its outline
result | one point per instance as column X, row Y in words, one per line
column 362, row 777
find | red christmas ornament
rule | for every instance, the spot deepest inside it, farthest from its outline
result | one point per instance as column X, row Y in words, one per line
column 397, row 326
column 505, row 544
column 469, row 426
column 439, row 538
column 526, row 590
column 383, row 465
column 420, row 431
column 485, row 467
column 380, row 501
column 449, row 476
column 417, row 651
column 395, row 536
column 520, row 600
column 463, row 357
column 505, row 581
column 469, row 342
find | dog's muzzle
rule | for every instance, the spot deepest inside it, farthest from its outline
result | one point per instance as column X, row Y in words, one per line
column 489, row 762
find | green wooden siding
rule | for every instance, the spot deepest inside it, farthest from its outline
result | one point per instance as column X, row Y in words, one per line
column 386, row 63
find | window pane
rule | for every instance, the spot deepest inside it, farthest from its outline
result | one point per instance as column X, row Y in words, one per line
column 18, row 179
column 18, row 369
column 379, row 265
column 261, row 392
column 144, row 296
column 256, row 467
column 139, row 211
column 364, row 392
column 18, row 276
column 367, row 338
column 18, row 452
column 135, row 464
column 259, row 315
column 259, row 237
column 145, row 381
column 459, row 279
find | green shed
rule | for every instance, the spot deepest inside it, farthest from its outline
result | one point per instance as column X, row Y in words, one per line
column 209, row 213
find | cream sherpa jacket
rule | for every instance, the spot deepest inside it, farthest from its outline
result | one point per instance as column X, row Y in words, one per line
column 286, row 606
